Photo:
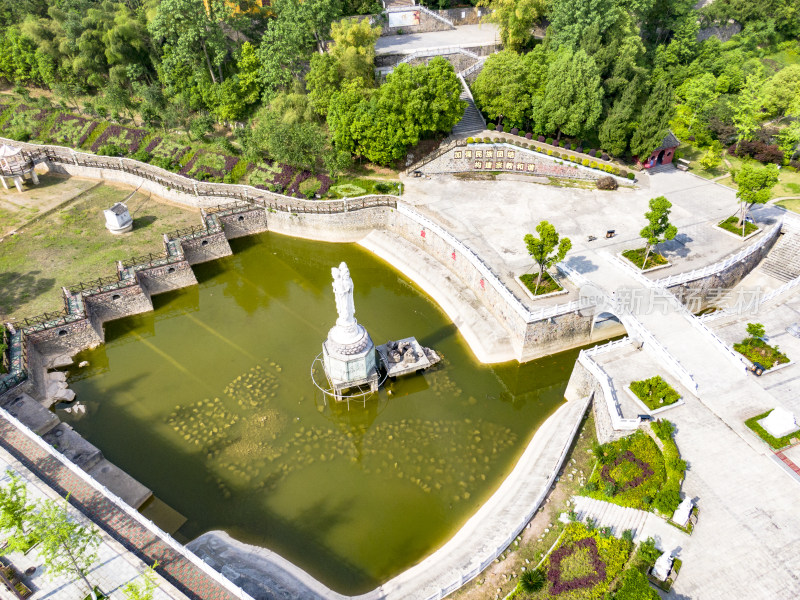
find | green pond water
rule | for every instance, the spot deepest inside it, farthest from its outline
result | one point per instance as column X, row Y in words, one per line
column 208, row 401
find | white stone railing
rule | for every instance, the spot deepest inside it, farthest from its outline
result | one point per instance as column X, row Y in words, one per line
column 435, row 15
column 132, row 513
column 472, row 68
column 442, row 51
column 618, row 422
column 721, row 265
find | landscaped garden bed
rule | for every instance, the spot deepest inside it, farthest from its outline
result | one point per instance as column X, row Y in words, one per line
column 582, row 566
column 348, row 187
column 776, row 443
column 756, row 350
column 117, row 139
column 654, row 392
column 207, row 165
column 654, row 259
column 70, row 130
column 731, row 225
column 548, row 285
column 634, row 472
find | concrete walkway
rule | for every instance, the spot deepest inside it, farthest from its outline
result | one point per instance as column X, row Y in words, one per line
column 465, row 36
column 748, row 516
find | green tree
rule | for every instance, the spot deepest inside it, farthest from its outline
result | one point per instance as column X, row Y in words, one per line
column 699, row 94
column 635, row 586
column 569, row 19
column 711, row 159
column 756, row 330
column 516, row 19
column 654, row 122
column 573, row 100
column 658, row 228
column 501, row 88
column 15, row 514
column 67, row 547
column 546, row 250
column 191, row 36
column 201, row 125
column 755, row 184
column 747, row 108
column 143, row 590
column 351, row 57
column 248, row 66
column 615, row 132
column 782, row 90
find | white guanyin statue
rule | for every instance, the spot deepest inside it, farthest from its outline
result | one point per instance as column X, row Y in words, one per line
column 343, row 290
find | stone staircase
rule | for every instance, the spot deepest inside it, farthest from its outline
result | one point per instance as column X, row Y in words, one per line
column 472, row 121
column 606, row 514
column 783, row 261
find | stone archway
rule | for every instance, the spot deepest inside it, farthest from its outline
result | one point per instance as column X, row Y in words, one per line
column 660, row 157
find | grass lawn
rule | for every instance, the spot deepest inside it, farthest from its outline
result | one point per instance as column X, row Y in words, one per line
column 547, row 285
column 776, row 443
column 730, row 224
column 637, row 257
column 630, row 472
column 792, row 205
column 655, row 392
column 759, row 351
column 348, row 187
column 73, row 245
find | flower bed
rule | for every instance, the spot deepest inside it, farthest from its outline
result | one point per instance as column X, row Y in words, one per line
column 26, row 117
column 124, row 138
column 583, row 565
column 757, row 350
column 655, row 392
column 630, row 473
column 168, row 149
column 270, row 176
column 71, row 130
column 206, row 165
column 294, row 189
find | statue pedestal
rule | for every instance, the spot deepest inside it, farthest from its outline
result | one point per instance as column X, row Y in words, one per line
column 349, row 359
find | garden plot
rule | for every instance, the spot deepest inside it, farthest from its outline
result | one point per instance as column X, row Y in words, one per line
column 206, row 165
column 124, row 138
column 271, row 176
column 166, row 148
column 71, row 130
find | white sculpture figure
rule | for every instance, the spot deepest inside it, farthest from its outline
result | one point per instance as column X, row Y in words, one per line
column 343, row 290
column 663, row 566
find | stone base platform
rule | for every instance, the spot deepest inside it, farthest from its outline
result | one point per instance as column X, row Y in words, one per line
column 406, row 356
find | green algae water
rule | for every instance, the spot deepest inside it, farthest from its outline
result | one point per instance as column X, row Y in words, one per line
column 209, row 402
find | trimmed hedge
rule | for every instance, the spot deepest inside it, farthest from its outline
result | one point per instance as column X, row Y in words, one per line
column 776, row 443
column 491, row 127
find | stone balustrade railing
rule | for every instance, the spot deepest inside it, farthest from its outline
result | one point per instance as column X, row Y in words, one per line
column 717, row 267
column 170, row 180
column 618, row 422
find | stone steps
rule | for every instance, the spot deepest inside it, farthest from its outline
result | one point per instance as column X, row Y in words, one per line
column 472, row 121
column 783, row 261
column 607, row 514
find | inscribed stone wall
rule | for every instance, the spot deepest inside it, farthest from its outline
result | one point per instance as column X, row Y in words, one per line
column 413, row 20
column 509, row 158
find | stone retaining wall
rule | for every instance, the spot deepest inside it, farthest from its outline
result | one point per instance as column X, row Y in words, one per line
column 427, row 23
column 702, row 293
column 116, row 304
column 69, row 338
column 244, row 223
column 204, row 248
column 167, row 278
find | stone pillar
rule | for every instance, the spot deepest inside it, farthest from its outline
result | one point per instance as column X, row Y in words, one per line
column 3, row 179
column 18, row 183
column 34, row 177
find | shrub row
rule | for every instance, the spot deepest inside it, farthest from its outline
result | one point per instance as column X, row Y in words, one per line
column 764, row 153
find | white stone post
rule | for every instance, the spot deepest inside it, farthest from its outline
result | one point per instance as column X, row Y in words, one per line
column 18, row 183
column 34, row 177
column 3, row 179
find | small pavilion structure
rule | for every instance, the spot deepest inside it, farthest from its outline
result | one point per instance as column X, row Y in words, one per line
column 16, row 166
column 664, row 154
